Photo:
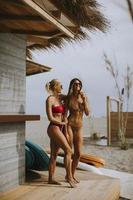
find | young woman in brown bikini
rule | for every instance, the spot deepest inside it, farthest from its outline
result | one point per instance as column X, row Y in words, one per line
column 55, row 110
column 77, row 105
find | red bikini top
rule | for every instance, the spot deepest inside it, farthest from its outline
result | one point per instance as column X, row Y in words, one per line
column 58, row 109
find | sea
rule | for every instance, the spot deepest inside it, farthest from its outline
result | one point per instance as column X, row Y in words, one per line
column 36, row 131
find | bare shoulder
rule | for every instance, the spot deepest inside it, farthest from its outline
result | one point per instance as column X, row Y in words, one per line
column 50, row 98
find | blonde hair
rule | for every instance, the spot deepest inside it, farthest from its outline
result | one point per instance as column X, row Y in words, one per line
column 51, row 85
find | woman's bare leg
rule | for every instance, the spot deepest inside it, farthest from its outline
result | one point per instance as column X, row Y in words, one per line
column 59, row 139
column 70, row 141
column 52, row 163
column 70, row 136
column 77, row 141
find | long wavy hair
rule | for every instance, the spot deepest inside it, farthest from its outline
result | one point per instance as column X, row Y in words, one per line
column 70, row 90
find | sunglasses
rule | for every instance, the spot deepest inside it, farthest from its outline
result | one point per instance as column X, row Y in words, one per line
column 77, row 84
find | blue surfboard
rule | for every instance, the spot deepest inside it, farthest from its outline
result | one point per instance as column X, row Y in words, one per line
column 41, row 159
column 29, row 158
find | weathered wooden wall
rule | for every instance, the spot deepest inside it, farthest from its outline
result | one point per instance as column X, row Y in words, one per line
column 12, row 155
column 12, row 73
column 114, row 125
column 12, row 101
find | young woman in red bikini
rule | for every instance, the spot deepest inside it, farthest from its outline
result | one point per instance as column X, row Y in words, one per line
column 77, row 105
column 55, row 112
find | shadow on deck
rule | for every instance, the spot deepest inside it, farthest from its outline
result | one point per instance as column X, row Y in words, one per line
column 91, row 187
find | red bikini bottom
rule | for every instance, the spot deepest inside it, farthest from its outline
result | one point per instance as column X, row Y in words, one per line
column 61, row 127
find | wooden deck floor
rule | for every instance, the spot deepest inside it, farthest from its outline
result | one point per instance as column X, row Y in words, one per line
column 91, row 187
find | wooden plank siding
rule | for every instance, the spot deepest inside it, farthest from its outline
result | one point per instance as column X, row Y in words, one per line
column 12, row 101
column 12, row 73
column 114, row 125
column 12, row 155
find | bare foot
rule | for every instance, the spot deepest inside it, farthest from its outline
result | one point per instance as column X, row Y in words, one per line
column 66, row 178
column 71, row 182
column 76, row 180
column 54, row 182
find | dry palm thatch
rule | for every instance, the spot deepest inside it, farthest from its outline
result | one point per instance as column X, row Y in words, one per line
column 130, row 8
column 53, row 43
column 84, row 13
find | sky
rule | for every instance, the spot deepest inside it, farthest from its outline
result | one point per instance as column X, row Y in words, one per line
column 85, row 61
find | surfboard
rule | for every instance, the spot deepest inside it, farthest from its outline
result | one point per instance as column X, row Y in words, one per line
column 93, row 160
column 82, row 166
column 41, row 159
column 29, row 158
column 87, row 158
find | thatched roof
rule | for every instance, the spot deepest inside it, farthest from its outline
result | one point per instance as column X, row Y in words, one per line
column 47, row 23
column 84, row 13
column 35, row 68
column 56, row 42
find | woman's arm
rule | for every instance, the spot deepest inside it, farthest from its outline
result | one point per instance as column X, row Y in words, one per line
column 86, row 108
column 64, row 98
column 66, row 106
column 85, row 103
column 50, row 116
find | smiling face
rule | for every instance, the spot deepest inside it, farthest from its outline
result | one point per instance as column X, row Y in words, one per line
column 77, row 86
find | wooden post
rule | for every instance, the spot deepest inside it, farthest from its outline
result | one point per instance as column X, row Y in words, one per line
column 108, row 122
column 119, row 120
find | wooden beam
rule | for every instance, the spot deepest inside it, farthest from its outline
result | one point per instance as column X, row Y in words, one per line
column 30, row 32
column 56, row 4
column 10, row 17
column 37, row 40
column 15, row 2
column 108, row 122
column 30, row 62
column 35, row 68
column 74, row 29
column 56, row 13
column 20, row 18
column 49, row 17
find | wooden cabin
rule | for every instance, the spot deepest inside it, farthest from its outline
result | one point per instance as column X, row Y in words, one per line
column 26, row 25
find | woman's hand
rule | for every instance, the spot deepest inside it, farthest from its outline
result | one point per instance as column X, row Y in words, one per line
column 83, row 96
column 85, row 103
column 65, row 121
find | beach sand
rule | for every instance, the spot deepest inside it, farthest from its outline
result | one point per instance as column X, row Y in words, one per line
column 115, row 158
